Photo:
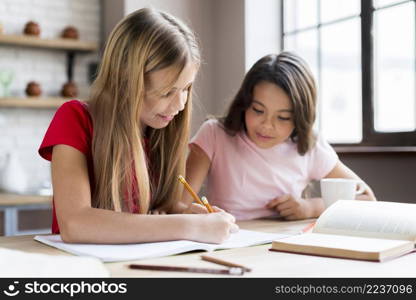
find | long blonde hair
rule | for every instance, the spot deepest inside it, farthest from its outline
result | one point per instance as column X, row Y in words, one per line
column 143, row 42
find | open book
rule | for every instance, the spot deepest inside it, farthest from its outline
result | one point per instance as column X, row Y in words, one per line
column 367, row 230
column 123, row 252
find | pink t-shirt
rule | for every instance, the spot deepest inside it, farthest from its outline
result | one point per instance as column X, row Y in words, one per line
column 243, row 178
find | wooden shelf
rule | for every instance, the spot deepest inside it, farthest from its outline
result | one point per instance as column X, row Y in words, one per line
column 37, row 42
column 18, row 200
column 33, row 102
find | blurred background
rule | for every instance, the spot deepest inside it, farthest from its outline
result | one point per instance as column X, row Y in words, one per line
column 362, row 53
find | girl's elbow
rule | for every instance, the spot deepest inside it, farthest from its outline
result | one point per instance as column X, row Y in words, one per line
column 69, row 231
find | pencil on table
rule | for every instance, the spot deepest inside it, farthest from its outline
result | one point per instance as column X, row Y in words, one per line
column 224, row 263
column 194, row 195
column 230, row 271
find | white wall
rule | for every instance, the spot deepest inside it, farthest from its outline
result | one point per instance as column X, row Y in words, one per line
column 22, row 130
column 262, row 29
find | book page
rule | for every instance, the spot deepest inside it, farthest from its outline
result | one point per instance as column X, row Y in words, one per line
column 376, row 219
column 125, row 252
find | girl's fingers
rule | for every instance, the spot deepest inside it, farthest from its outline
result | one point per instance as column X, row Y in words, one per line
column 234, row 228
column 198, row 209
column 291, row 218
column 277, row 201
column 284, row 205
column 272, row 203
column 228, row 216
column 217, row 209
column 220, row 210
column 285, row 213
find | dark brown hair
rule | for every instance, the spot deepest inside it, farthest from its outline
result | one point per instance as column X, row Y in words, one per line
column 292, row 74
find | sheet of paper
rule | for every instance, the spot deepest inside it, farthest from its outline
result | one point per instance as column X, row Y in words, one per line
column 245, row 238
column 14, row 263
column 124, row 252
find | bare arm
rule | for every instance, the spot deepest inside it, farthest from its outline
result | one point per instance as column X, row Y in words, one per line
column 81, row 223
column 197, row 167
column 292, row 208
column 342, row 171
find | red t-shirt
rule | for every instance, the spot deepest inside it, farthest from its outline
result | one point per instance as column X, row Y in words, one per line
column 72, row 126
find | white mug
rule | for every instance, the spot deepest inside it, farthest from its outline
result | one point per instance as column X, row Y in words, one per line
column 334, row 189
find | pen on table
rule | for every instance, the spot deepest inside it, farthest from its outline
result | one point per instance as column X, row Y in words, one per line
column 224, row 263
column 194, row 195
column 230, row 271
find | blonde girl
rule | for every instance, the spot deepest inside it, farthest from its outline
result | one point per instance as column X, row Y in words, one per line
column 118, row 156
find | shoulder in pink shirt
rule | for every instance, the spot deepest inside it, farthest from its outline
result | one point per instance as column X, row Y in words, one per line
column 243, row 178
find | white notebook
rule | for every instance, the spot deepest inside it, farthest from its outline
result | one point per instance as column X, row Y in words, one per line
column 15, row 263
column 124, row 252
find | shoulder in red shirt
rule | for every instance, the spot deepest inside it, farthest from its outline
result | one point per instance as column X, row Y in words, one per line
column 72, row 126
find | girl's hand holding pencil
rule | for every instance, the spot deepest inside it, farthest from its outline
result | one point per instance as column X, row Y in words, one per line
column 216, row 224
column 196, row 208
column 202, row 205
column 203, row 201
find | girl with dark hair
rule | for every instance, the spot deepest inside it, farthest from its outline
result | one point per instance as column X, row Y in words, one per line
column 263, row 153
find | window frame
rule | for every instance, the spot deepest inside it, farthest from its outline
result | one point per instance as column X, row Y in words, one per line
column 370, row 137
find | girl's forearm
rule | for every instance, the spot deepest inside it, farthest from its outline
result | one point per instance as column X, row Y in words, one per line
column 316, row 207
column 103, row 226
column 181, row 206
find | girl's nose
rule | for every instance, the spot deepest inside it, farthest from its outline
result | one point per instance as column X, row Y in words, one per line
column 267, row 123
column 179, row 101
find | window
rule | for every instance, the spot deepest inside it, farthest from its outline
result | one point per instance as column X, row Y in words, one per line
column 362, row 54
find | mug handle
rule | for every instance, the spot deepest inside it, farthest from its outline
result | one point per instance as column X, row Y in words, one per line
column 361, row 188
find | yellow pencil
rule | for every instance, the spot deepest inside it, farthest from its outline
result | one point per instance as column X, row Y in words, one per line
column 194, row 195
column 206, row 203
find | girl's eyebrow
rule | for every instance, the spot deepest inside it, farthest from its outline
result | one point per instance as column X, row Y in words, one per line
column 280, row 110
column 258, row 102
